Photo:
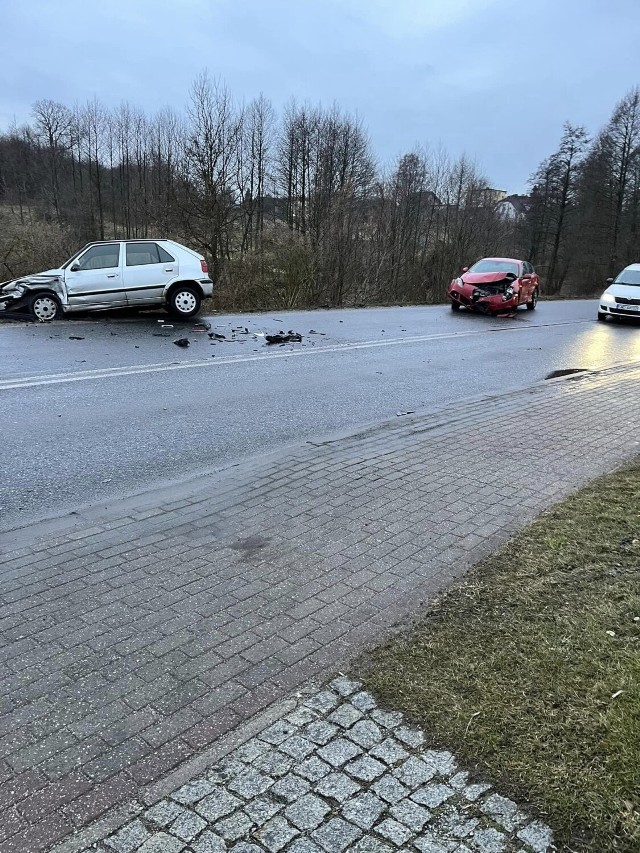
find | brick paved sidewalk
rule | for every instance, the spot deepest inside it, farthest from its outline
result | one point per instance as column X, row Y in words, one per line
column 132, row 639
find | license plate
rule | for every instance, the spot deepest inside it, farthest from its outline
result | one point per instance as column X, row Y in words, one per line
column 628, row 307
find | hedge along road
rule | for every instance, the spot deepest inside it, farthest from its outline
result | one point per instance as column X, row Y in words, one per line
column 122, row 408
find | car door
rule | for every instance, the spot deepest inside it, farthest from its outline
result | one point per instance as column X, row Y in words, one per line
column 535, row 279
column 94, row 280
column 148, row 268
column 526, row 283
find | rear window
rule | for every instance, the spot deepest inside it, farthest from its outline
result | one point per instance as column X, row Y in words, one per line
column 165, row 257
column 139, row 254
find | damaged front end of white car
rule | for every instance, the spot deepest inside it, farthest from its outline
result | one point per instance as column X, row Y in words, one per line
column 39, row 296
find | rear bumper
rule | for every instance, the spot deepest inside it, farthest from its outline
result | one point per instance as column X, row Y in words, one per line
column 207, row 286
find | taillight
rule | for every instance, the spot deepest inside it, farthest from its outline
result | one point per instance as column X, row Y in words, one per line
column 204, row 266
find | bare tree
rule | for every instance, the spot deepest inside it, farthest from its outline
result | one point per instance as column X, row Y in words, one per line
column 210, row 157
column 52, row 124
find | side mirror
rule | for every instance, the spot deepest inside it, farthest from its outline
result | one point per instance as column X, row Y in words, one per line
column 609, row 281
column 74, row 268
column 527, row 276
column 465, row 269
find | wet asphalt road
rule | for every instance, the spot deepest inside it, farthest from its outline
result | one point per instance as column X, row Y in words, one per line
column 124, row 408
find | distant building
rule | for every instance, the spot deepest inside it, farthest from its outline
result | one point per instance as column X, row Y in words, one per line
column 425, row 199
column 513, row 207
column 489, row 197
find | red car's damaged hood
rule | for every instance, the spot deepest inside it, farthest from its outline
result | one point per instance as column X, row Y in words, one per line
column 475, row 278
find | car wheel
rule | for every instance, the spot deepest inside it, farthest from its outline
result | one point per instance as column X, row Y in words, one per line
column 455, row 306
column 602, row 317
column 184, row 302
column 45, row 307
column 534, row 301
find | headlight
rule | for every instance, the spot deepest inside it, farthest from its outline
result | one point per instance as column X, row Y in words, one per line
column 509, row 292
column 608, row 299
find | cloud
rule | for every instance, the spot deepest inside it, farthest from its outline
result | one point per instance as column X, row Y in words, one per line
column 415, row 18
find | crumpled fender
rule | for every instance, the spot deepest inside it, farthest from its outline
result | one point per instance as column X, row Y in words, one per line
column 53, row 282
column 44, row 281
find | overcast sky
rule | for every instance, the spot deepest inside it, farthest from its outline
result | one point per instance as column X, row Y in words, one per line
column 493, row 78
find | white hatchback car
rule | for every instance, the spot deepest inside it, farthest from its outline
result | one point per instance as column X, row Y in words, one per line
column 622, row 297
column 115, row 274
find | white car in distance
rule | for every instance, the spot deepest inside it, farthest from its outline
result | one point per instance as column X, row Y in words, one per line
column 622, row 296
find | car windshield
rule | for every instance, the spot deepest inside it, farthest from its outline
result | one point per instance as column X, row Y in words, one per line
column 631, row 277
column 495, row 266
column 70, row 260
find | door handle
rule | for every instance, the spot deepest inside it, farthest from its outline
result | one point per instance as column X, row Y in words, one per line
column 168, row 269
column 112, row 275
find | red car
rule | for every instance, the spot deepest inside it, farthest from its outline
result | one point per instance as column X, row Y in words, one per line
column 495, row 286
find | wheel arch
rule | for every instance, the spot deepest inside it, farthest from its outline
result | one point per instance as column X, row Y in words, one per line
column 176, row 285
column 31, row 295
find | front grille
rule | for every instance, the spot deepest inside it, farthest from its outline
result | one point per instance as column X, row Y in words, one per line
column 626, row 313
column 622, row 300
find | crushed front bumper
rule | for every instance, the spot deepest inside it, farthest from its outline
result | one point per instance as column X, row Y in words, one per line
column 468, row 297
column 13, row 303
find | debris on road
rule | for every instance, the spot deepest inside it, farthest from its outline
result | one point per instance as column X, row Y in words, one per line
column 409, row 412
column 182, row 342
column 281, row 338
column 75, row 338
column 215, row 336
column 202, row 327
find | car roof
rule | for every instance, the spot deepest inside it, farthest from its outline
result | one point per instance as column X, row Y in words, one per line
column 633, row 267
column 511, row 260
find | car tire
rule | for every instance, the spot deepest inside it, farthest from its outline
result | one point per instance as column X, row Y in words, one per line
column 602, row 317
column 45, row 307
column 184, row 302
column 455, row 306
column 531, row 306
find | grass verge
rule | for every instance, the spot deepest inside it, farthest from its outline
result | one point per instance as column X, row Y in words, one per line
column 530, row 669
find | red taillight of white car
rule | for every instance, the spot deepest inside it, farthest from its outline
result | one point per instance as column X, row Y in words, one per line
column 204, row 266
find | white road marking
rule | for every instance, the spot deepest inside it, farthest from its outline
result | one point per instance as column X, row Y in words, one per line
column 140, row 369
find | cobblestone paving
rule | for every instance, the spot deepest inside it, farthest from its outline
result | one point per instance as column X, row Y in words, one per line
column 336, row 773
column 133, row 637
